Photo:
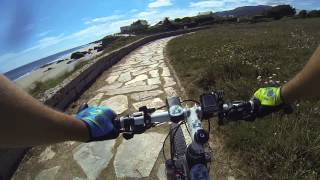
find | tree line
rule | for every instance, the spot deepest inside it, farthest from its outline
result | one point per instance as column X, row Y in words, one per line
column 275, row 12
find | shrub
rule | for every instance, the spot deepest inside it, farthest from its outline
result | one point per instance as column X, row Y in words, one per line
column 106, row 41
column 303, row 13
column 280, row 11
column 204, row 18
column 314, row 13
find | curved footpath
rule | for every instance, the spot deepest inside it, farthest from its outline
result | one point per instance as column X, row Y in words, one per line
column 140, row 78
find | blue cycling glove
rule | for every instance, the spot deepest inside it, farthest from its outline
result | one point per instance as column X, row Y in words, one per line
column 100, row 122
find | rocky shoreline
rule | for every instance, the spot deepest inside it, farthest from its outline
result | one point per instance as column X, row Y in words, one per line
column 58, row 68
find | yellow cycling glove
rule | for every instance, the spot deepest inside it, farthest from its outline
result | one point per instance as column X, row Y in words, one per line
column 270, row 101
column 269, row 96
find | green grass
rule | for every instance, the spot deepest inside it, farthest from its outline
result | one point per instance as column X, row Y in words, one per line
column 119, row 42
column 230, row 58
column 40, row 87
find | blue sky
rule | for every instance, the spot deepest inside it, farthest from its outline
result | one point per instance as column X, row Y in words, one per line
column 33, row 29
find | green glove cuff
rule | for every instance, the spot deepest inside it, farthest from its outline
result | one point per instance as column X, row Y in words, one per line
column 270, row 96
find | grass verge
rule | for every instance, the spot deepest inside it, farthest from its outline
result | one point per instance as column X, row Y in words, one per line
column 119, row 42
column 40, row 87
column 241, row 58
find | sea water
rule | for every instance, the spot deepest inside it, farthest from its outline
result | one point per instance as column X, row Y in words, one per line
column 28, row 68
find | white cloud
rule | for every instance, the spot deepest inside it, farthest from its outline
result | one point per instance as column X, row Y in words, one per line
column 45, row 33
column 103, row 19
column 207, row 4
column 7, row 56
column 276, row 2
column 144, row 14
column 49, row 41
column 6, row 63
column 134, row 10
column 159, row 3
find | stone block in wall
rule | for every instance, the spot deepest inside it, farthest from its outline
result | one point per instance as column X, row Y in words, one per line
column 71, row 85
column 105, row 63
column 98, row 70
column 81, row 86
column 114, row 60
column 93, row 75
column 68, row 98
column 109, row 63
column 54, row 99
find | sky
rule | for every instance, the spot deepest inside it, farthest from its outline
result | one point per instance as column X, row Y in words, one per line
column 33, row 29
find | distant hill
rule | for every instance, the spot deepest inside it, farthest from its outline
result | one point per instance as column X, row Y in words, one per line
column 244, row 11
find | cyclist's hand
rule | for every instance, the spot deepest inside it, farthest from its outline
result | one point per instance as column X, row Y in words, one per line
column 270, row 100
column 100, row 122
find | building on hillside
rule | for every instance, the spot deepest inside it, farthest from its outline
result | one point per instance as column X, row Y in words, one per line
column 139, row 25
column 125, row 29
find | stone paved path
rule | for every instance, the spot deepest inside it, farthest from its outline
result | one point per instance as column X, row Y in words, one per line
column 141, row 78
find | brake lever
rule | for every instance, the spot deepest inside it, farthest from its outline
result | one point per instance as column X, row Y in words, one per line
column 136, row 130
column 83, row 107
column 220, row 119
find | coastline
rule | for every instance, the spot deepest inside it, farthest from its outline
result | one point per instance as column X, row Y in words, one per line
column 57, row 68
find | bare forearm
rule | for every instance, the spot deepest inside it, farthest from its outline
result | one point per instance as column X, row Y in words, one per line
column 306, row 84
column 27, row 122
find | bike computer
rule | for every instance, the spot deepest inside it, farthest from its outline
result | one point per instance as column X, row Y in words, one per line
column 209, row 105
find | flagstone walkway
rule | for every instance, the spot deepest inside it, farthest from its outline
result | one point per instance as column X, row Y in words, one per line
column 141, row 78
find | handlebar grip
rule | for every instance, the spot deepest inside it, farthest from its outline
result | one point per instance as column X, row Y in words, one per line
column 287, row 109
column 250, row 110
column 266, row 110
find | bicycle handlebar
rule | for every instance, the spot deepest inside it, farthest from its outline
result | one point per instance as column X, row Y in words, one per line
column 237, row 110
column 211, row 105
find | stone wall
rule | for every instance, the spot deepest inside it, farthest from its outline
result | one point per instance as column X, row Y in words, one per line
column 70, row 89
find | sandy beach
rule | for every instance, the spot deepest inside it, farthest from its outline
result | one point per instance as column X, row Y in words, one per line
column 57, row 68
